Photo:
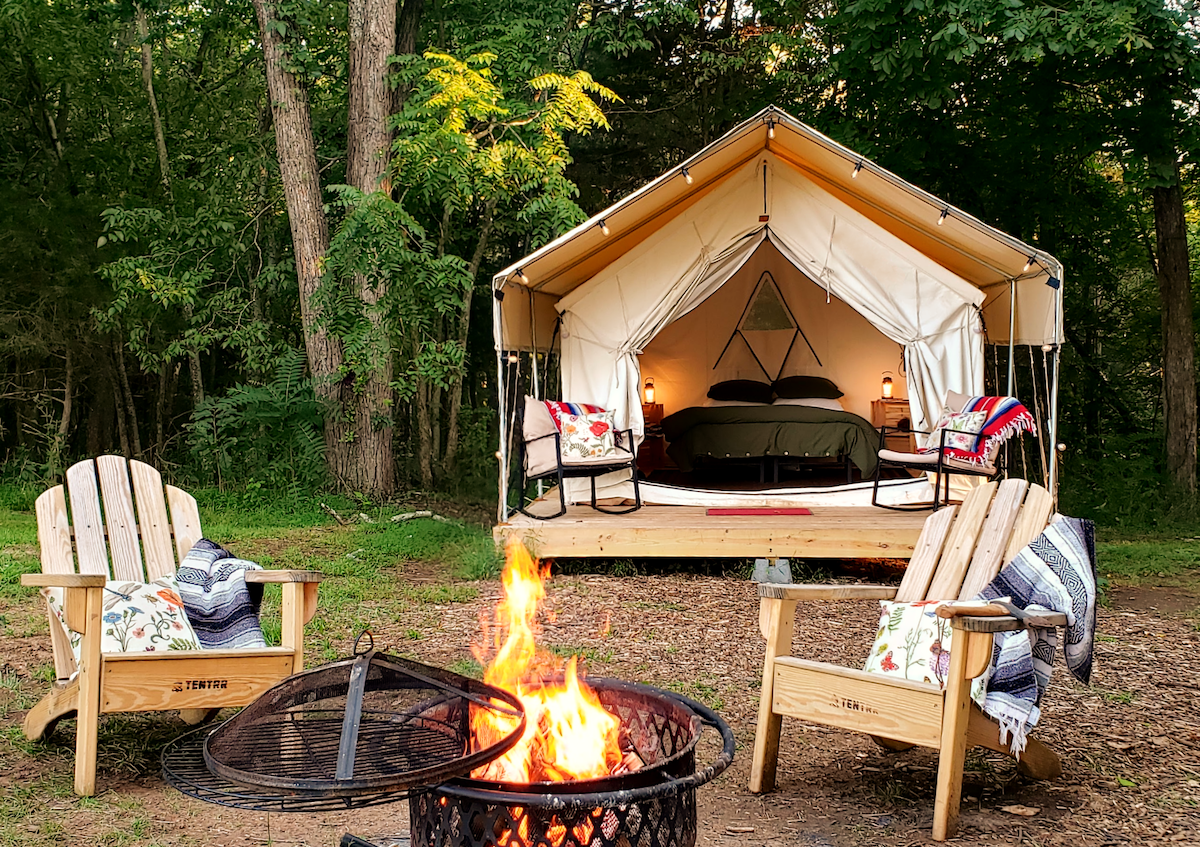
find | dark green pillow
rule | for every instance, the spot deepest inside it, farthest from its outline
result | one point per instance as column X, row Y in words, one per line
column 741, row 391
column 791, row 387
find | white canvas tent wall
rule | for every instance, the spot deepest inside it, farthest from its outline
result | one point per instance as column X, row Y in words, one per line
column 926, row 275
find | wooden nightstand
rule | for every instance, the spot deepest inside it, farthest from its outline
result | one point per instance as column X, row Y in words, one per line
column 652, row 453
column 894, row 413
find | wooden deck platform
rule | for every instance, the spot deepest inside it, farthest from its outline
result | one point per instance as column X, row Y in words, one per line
column 686, row 532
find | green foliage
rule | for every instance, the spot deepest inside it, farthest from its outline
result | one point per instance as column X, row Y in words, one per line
column 267, row 437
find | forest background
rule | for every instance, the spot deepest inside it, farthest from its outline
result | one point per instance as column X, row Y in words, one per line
column 251, row 242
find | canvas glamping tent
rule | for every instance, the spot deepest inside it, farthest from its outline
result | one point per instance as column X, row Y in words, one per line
column 870, row 268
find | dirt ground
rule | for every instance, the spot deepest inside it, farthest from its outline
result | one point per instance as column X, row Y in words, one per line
column 1130, row 742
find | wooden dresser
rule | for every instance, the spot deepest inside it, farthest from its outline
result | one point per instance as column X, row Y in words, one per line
column 652, row 453
column 894, row 413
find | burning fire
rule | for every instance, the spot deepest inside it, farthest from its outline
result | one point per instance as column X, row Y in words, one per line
column 568, row 734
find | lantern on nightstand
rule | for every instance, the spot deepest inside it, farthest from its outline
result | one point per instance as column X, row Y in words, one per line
column 648, row 388
column 887, row 385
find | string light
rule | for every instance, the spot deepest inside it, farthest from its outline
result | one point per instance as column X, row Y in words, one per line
column 521, row 278
column 687, row 177
column 770, row 129
column 512, row 358
column 1028, row 264
column 603, row 227
column 857, row 168
column 942, row 216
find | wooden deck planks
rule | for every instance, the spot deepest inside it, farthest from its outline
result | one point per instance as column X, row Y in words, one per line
column 686, row 531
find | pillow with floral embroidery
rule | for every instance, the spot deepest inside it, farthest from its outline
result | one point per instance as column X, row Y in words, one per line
column 914, row 643
column 962, row 431
column 588, row 436
column 137, row 617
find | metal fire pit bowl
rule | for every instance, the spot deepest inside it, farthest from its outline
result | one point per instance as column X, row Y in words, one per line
column 654, row 806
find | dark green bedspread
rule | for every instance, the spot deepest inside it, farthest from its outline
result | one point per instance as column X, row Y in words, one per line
column 742, row 431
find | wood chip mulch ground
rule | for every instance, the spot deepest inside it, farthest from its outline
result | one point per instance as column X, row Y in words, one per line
column 1130, row 742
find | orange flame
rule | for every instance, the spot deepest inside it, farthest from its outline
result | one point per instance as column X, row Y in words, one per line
column 568, row 733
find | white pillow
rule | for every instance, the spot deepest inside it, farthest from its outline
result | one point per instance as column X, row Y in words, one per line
column 710, row 403
column 137, row 617
column 813, row 402
column 588, row 436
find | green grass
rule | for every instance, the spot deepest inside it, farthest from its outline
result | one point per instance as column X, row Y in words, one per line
column 1163, row 562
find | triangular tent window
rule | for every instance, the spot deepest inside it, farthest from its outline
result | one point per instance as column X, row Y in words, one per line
column 769, row 329
column 767, row 311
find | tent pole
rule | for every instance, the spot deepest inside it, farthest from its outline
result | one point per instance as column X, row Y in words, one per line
column 537, row 385
column 1012, row 322
column 1056, row 358
column 502, row 453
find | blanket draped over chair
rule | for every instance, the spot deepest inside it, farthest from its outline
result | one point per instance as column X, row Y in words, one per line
column 1005, row 417
column 221, row 607
column 1056, row 572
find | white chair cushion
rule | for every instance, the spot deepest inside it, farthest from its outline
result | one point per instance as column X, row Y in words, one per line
column 931, row 459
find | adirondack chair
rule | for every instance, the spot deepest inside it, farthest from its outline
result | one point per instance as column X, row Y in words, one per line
column 121, row 532
column 953, row 559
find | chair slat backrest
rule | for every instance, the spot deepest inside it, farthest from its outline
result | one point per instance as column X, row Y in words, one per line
column 153, row 521
column 185, row 520
column 956, row 558
column 926, row 555
column 124, row 548
column 962, row 549
column 91, row 552
column 1034, row 517
column 993, row 538
column 119, row 522
column 54, row 531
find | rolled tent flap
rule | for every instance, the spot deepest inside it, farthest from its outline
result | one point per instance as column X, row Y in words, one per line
column 608, row 320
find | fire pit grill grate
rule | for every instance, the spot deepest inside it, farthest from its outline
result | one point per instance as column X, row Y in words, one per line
column 373, row 724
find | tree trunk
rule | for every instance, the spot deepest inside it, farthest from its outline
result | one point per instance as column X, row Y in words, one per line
column 160, row 140
column 371, row 468
column 1179, row 345
column 464, row 326
column 297, row 156
column 424, row 426
column 135, row 439
column 408, row 24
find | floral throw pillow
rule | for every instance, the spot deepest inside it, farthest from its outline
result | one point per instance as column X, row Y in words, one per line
column 914, row 643
column 137, row 617
column 962, row 430
column 588, row 436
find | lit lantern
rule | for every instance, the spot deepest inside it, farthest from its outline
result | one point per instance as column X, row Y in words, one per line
column 649, row 389
column 887, row 385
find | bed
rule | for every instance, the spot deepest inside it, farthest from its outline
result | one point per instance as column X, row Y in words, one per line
column 788, row 428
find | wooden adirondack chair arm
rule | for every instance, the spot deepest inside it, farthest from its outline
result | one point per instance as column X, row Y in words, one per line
column 1003, row 621
column 63, row 580
column 284, row 576
column 774, row 591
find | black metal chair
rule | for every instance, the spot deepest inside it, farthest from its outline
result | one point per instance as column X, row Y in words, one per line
column 541, row 457
column 938, row 461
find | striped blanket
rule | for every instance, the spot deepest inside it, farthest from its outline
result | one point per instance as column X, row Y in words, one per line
column 221, row 607
column 558, row 408
column 1003, row 418
column 1057, row 572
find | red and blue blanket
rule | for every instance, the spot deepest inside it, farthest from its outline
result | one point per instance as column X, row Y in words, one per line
column 1004, row 418
column 558, row 408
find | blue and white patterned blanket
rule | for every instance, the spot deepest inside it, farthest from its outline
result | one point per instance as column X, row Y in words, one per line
column 221, row 607
column 1057, row 572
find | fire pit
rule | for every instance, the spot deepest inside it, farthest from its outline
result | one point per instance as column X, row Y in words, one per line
column 532, row 756
column 653, row 806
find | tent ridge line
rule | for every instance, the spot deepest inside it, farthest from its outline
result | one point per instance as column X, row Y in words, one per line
column 717, row 146
column 899, row 182
column 719, row 178
column 932, row 236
